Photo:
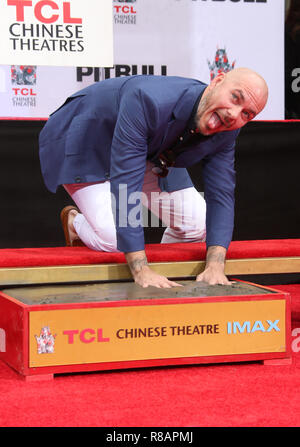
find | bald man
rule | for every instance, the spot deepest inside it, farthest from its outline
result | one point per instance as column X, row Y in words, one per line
column 129, row 140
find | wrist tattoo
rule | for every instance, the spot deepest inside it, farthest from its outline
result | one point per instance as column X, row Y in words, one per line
column 215, row 256
column 137, row 264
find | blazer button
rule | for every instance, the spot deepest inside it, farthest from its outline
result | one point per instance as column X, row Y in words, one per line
column 78, row 179
column 106, row 174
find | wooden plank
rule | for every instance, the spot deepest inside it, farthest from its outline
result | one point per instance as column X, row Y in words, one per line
column 115, row 272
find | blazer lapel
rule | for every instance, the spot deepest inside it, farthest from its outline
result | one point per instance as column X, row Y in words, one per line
column 181, row 115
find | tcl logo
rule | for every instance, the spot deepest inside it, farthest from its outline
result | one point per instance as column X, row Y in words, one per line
column 124, row 9
column 46, row 11
column 24, row 91
column 85, row 336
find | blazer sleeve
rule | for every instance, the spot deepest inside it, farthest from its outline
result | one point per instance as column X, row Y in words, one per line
column 128, row 163
column 219, row 187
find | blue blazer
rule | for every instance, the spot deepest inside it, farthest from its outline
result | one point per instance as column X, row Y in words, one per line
column 108, row 131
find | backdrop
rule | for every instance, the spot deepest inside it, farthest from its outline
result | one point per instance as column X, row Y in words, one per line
column 193, row 38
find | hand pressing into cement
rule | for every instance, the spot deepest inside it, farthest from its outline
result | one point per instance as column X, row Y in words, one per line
column 214, row 270
column 142, row 273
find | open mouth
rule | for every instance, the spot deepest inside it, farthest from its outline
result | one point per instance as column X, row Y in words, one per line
column 214, row 122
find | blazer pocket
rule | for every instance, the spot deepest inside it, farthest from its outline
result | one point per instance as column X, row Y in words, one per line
column 82, row 134
column 67, row 101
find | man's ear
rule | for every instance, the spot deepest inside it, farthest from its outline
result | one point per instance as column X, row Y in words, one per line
column 218, row 79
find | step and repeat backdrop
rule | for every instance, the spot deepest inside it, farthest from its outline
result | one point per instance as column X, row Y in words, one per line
column 50, row 49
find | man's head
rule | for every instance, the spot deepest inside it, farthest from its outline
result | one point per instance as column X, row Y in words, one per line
column 231, row 100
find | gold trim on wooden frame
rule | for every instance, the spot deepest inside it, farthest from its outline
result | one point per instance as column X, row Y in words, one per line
column 118, row 272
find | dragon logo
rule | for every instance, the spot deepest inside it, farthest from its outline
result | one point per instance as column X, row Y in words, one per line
column 220, row 63
column 45, row 342
column 23, row 74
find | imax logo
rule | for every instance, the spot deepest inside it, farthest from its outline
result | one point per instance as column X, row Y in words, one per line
column 233, row 327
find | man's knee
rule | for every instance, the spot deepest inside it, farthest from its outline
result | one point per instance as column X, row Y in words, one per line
column 184, row 234
column 96, row 234
column 105, row 239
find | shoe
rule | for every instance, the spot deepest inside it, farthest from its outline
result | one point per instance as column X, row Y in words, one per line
column 64, row 217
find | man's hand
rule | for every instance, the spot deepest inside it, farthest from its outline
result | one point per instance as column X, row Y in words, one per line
column 214, row 269
column 143, row 275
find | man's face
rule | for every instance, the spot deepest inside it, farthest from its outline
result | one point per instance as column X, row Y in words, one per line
column 229, row 102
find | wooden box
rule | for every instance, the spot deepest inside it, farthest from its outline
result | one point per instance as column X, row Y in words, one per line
column 51, row 329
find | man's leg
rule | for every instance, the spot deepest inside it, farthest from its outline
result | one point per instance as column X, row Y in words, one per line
column 183, row 212
column 188, row 214
column 94, row 225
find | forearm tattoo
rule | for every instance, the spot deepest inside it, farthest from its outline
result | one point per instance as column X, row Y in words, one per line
column 137, row 264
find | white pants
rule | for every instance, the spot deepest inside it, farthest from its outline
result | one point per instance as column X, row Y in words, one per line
column 183, row 212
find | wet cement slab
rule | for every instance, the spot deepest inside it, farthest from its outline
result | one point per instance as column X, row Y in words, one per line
column 103, row 292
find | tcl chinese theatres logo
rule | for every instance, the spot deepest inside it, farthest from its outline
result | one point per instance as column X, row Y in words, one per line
column 49, row 34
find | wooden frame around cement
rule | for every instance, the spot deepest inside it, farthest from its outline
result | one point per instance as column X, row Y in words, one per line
column 115, row 272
